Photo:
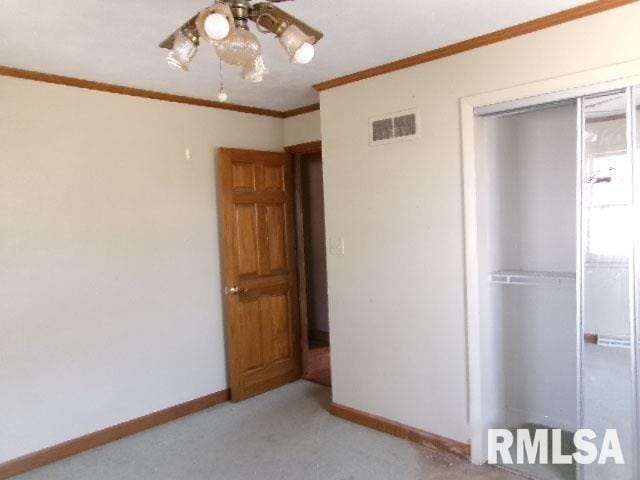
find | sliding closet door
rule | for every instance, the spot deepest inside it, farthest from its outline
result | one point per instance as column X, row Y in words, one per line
column 606, row 286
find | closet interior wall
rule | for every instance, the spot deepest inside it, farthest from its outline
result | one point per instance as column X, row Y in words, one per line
column 527, row 197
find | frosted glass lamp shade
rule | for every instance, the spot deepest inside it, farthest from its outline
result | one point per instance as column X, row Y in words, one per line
column 298, row 45
column 255, row 71
column 183, row 51
column 241, row 47
column 217, row 26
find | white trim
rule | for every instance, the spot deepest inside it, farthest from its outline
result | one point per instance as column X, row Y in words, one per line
column 602, row 79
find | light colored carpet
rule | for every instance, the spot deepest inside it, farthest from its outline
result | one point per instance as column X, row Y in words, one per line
column 283, row 434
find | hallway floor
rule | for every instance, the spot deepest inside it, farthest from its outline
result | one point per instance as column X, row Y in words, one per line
column 283, row 434
column 319, row 368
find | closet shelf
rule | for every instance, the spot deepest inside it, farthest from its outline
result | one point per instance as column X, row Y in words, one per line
column 528, row 277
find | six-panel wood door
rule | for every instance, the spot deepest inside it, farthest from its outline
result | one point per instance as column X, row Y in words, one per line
column 258, row 234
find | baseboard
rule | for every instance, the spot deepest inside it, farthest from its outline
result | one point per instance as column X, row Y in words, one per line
column 319, row 335
column 109, row 434
column 397, row 429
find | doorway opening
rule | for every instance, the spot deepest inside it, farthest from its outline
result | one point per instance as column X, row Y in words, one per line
column 312, row 264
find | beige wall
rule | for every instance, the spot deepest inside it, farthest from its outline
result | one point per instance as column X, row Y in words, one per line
column 110, row 303
column 396, row 297
column 302, row 128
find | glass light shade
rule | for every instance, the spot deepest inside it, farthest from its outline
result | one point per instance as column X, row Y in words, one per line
column 240, row 48
column 255, row 71
column 183, row 51
column 304, row 54
column 217, row 26
column 293, row 39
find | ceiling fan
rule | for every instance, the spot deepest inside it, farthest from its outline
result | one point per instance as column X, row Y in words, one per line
column 225, row 25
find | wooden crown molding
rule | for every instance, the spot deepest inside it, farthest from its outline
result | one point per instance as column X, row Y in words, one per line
column 304, row 148
column 477, row 42
column 95, row 439
column 397, row 429
column 138, row 92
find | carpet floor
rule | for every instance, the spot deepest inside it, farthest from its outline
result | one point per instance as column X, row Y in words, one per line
column 283, row 434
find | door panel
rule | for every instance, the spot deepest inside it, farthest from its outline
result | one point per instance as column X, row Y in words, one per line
column 251, row 335
column 262, row 317
column 246, row 236
column 244, row 176
column 276, row 237
column 274, row 177
column 278, row 308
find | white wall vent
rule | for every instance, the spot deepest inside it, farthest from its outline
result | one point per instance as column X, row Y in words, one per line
column 394, row 127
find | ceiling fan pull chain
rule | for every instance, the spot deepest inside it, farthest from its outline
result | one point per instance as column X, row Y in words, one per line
column 222, row 95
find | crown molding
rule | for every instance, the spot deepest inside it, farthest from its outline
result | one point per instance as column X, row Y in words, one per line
column 138, row 92
column 477, row 42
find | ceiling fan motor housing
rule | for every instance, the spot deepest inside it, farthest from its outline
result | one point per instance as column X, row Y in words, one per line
column 240, row 10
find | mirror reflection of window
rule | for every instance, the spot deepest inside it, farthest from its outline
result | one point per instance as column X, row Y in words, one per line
column 608, row 176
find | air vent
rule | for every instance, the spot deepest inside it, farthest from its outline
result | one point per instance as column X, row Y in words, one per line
column 394, row 127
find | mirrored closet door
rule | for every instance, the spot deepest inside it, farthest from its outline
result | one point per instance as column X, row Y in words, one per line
column 607, row 280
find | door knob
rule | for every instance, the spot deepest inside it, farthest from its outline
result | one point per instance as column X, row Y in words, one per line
column 235, row 290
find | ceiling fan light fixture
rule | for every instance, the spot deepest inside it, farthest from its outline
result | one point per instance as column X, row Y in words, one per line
column 297, row 44
column 225, row 25
column 184, row 48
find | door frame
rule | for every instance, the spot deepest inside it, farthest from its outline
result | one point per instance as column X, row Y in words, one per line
column 479, row 365
column 297, row 153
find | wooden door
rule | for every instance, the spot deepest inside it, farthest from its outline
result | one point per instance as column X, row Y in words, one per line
column 258, row 235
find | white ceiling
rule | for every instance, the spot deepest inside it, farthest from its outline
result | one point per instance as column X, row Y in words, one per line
column 115, row 41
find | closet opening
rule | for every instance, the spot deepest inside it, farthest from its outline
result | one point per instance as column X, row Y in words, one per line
column 528, row 197
column 556, row 217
